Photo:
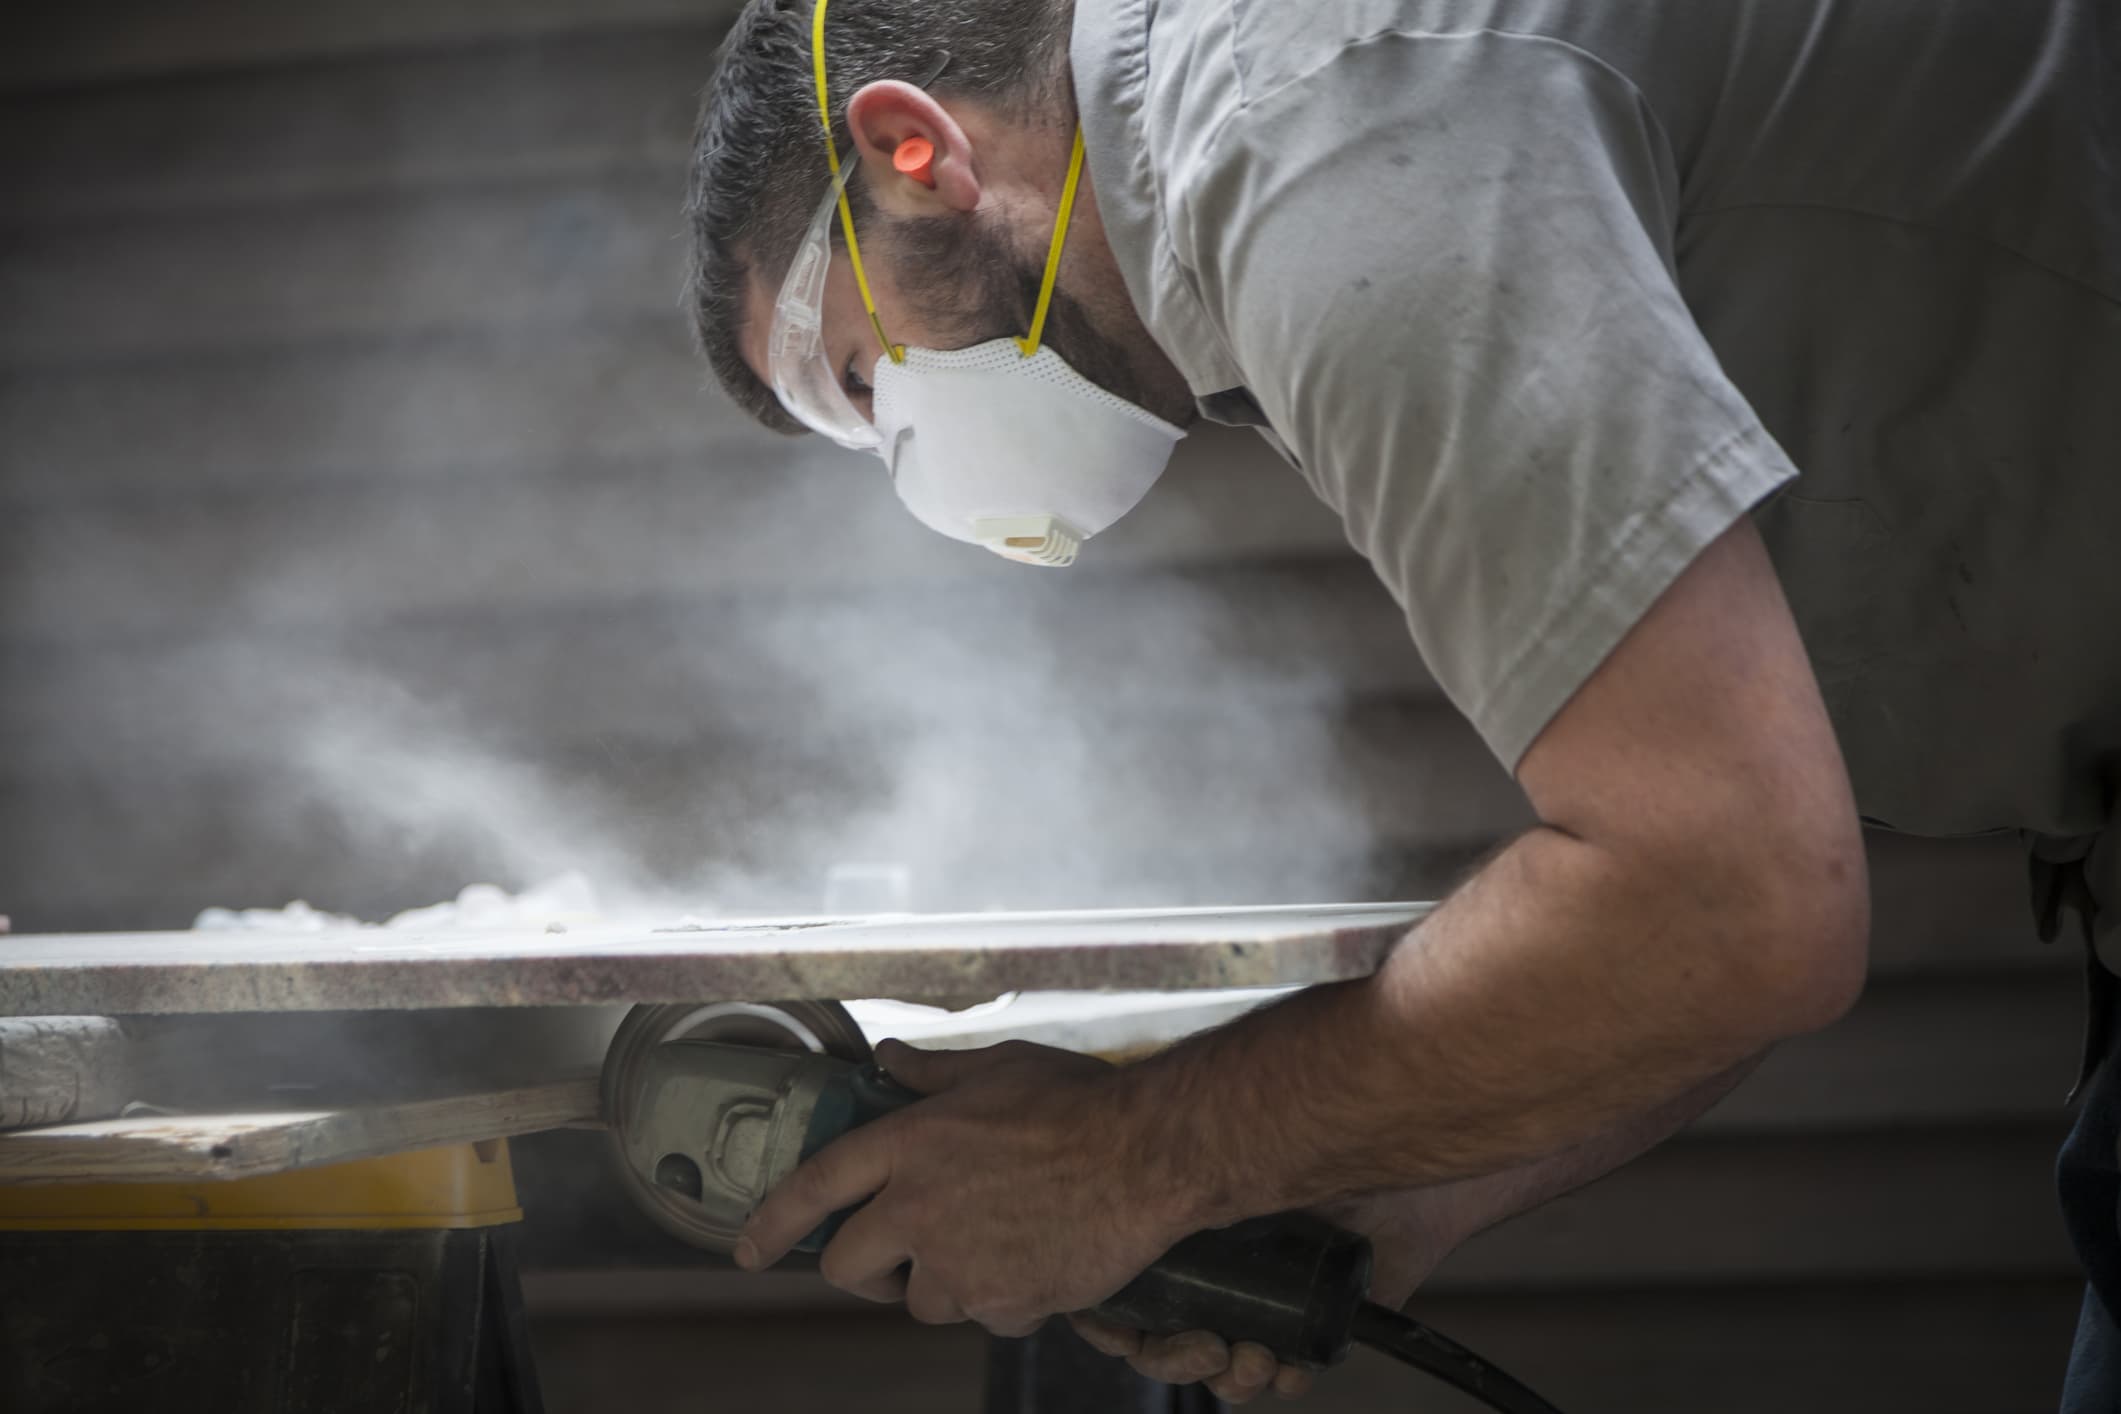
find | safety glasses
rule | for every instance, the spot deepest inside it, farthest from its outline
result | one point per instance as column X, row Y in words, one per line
column 805, row 378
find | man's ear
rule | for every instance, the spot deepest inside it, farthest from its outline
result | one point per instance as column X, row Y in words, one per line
column 916, row 159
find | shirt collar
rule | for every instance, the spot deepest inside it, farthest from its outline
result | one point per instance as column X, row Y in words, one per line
column 1110, row 51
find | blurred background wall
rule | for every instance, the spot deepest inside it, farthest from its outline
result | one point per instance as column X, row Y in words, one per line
column 366, row 529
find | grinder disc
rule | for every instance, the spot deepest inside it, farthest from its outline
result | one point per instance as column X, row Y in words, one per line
column 821, row 1027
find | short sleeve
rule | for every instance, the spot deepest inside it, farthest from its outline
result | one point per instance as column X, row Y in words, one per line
column 1443, row 263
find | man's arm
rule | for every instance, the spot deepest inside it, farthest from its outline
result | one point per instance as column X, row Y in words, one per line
column 1694, row 893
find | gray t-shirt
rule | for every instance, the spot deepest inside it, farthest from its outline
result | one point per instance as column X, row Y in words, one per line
column 1542, row 295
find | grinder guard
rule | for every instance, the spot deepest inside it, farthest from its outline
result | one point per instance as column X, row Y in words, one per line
column 708, row 1106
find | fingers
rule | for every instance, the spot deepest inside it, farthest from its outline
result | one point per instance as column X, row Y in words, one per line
column 1121, row 1342
column 927, row 1302
column 1006, row 1325
column 1234, row 1374
column 1251, row 1370
column 925, row 1071
column 886, row 1289
column 1182, row 1359
column 867, row 1257
column 842, row 1174
column 932, row 1072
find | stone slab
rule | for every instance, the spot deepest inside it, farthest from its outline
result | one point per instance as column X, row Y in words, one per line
column 944, row 957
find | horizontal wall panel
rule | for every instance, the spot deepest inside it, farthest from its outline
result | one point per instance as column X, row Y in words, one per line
column 1956, row 902
column 55, row 42
column 1859, row 1206
column 527, row 258
column 402, row 413
column 1924, row 1049
column 400, row 120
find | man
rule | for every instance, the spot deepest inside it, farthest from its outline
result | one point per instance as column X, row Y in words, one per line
column 1726, row 389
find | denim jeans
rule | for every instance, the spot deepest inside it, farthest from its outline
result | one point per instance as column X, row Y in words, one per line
column 2088, row 1177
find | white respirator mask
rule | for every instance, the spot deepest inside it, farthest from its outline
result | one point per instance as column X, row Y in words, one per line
column 1019, row 453
column 1002, row 444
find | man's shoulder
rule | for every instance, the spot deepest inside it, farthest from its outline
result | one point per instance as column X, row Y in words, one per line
column 1218, row 80
column 1268, row 44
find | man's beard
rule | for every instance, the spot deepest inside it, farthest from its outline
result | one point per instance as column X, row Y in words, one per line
column 966, row 280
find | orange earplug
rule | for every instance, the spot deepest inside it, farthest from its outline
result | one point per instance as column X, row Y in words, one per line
column 915, row 157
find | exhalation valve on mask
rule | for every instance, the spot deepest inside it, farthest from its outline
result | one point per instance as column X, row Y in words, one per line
column 1034, row 540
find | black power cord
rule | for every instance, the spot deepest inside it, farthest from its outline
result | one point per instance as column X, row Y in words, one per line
column 1409, row 1341
column 1300, row 1286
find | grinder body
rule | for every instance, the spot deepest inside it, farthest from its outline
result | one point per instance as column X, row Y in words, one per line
column 721, row 1124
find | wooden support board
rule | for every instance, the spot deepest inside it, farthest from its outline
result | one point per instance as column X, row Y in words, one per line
column 912, row 956
column 180, row 1148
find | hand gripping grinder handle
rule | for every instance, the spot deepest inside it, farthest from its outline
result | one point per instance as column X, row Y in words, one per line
column 721, row 1124
column 1292, row 1282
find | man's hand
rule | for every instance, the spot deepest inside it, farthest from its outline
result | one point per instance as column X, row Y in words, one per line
column 1026, row 1184
column 1410, row 1232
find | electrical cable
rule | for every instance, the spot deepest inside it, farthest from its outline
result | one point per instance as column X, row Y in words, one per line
column 1409, row 1341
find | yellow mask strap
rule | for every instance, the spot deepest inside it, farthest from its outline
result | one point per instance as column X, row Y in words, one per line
column 832, row 159
column 1029, row 343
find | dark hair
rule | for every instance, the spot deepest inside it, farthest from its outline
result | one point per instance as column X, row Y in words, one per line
column 758, row 159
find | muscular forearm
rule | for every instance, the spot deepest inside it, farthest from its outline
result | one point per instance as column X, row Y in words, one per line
column 1561, row 993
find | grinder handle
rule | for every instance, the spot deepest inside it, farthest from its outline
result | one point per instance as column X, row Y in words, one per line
column 864, row 1093
column 1290, row 1281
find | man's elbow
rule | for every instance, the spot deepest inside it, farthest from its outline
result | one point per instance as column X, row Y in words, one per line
column 1809, row 948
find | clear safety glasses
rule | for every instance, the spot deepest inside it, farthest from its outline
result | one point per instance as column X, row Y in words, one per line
column 805, row 378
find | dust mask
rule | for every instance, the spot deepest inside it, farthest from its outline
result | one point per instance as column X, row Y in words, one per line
column 1016, row 452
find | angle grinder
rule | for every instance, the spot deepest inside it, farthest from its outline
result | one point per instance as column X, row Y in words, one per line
column 709, row 1106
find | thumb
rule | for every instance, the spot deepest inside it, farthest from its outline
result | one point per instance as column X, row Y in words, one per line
column 929, row 1072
